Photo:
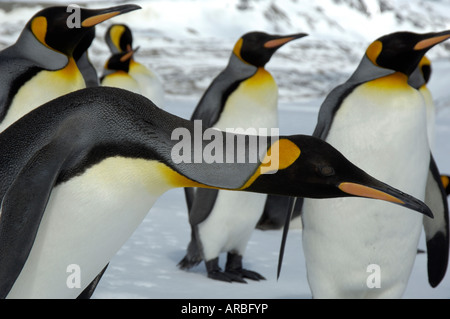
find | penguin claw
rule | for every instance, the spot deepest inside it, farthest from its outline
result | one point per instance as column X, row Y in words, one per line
column 226, row 276
column 244, row 273
column 253, row 275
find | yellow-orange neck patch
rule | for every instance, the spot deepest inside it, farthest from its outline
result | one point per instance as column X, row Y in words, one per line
column 394, row 81
column 445, row 180
column 282, row 154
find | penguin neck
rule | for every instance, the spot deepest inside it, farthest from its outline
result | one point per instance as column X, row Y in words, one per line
column 395, row 81
column 239, row 69
column 30, row 48
column 416, row 79
column 367, row 71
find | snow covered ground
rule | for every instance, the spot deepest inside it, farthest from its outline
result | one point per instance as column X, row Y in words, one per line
column 188, row 42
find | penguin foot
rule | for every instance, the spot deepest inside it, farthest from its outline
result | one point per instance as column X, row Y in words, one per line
column 234, row 266
column 226, row 276
column 249, row 274
column 216, row 273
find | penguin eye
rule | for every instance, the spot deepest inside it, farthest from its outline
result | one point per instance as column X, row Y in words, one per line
column 326, row 171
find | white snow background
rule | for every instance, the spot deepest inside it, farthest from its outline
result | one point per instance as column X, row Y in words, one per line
column 188, row 42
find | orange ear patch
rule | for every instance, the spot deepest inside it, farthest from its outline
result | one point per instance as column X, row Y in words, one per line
column 39, row 29
column 282, row 154
column 373, row 51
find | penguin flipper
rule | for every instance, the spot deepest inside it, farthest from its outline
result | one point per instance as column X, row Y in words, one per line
column 436, row 229
column 202, row 205
column 189, row 193
column 275, row 210
column 292, row 204
column 22, row 208
column 89, row 290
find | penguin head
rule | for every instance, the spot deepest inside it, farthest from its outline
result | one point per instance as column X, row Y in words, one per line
column 256, row 48
column 310, row 167
column 84, row 43
column 425, row 68
column 402, row 51
column 53, row 27
column 120, row 61
column 119, row 38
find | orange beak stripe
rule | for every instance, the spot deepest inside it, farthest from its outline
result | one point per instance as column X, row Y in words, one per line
column 277, row 42
column 424, row 44
column 127, row 56
column 91, row 21
column 364, row 191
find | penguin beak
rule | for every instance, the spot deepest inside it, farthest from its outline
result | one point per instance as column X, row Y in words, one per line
column 280, row 41
column 94, row 17
column 387, row 193
column 129, row 55
column 431, row 39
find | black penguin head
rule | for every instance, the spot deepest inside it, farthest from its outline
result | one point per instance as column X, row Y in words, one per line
column 57, row 28
column 84, row 43
column 120, row 61
column 402, row 51
column 310, row 167
column 119, row 38
column 256, row 48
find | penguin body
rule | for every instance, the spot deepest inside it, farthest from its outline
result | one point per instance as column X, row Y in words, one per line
column 40, row 66
column 135, row 76
column 379, row 122
column 92, row 162
column 243, row 96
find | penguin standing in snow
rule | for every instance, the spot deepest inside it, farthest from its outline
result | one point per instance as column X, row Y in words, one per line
column 91, row 163
column 379, row 122
column 123, row 71
column 245, row 96
column 40, row 66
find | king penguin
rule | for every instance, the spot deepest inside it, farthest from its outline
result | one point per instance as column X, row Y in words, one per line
column 91, row 163
column 245, row 96
column 378, row 121
column 116, row 72
column 135, row 76
column 40, row 66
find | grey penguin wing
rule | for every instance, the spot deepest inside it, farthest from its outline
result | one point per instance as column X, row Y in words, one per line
column 22, row 208
column 202, row 205
column 436, row 229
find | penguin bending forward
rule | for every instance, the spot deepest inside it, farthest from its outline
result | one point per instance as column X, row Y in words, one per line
column 379, row 122
column 245, row 96
column 40, row 66
column 80, row 173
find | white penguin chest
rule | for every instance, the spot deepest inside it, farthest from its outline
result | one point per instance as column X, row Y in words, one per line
column 252, row 105
column 43, row 87
column 87, row 220
column 123, row 80
column 149, row 83
column 384, row 132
